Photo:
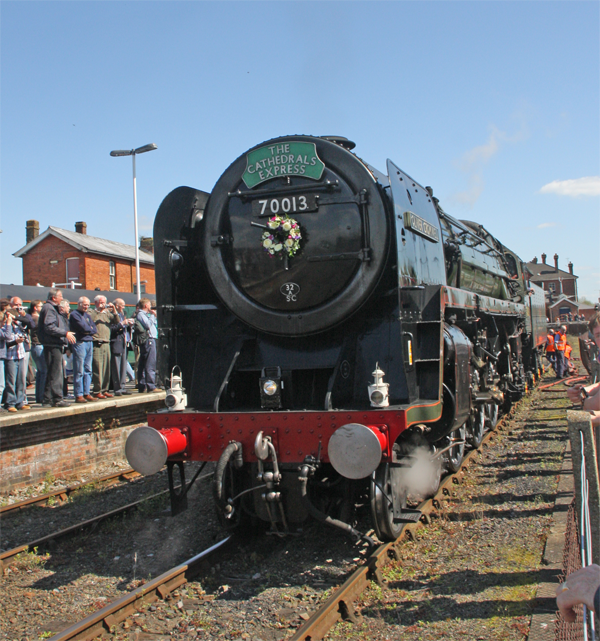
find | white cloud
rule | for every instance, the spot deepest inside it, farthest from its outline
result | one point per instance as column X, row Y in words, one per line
column 544, row 225
column 473, row 161
column 588, row 186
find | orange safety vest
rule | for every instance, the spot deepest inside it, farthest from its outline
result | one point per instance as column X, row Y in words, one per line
column 568, row 350
column 561, row 343
column 550, row 343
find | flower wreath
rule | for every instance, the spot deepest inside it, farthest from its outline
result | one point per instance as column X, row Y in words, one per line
column 282, row 237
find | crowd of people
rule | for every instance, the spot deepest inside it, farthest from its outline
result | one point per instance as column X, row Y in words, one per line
column 37, row 342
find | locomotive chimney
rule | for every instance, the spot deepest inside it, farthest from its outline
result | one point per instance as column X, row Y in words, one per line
column 556, row 262
column 570, row 268
column 32, row 230
column 544, row 258
column 81, row 228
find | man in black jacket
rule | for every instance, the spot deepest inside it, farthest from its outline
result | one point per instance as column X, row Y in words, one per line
column 54, row 335
column 119, row 338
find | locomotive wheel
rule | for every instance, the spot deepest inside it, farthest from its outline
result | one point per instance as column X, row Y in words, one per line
column 476, row 426
column 456, row 453
column 386, row 496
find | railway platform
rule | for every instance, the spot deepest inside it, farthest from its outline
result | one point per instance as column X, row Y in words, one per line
column 68, row 441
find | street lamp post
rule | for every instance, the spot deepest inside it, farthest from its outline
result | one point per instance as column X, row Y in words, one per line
column 133, row 153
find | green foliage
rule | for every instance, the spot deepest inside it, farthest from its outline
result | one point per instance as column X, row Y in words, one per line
column 30, row 560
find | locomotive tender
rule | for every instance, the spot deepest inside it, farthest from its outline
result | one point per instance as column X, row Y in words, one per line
column 327, row 320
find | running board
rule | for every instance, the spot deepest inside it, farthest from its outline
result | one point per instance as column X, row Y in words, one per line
column 408, row 516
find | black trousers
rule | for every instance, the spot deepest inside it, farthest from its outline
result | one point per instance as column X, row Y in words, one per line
column 118, row 371
column 53, row 391
column 147, row 366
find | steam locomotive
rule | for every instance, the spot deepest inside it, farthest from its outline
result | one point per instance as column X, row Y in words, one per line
column 321, row 326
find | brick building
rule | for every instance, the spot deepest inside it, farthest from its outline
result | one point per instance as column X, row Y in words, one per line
column 552, row 279
column 64, row 257
column 560, row 287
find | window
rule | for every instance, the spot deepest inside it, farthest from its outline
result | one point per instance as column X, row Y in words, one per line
column 112, row 275
column 552, row 287
column 134, row 290
column 73, row 271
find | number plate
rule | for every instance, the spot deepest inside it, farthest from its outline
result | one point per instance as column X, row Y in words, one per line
column 282, row 205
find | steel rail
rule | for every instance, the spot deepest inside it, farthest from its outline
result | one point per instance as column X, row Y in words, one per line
column 339, row 604
column 64, row 492
column 8, row 557
column 111, row 615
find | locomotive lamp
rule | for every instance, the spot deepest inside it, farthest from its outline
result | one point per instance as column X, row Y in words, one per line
column 270, row 388
column 379, row 391
column 176, row 399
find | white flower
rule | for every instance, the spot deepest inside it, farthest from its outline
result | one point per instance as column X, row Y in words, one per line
column 278, row 247
column 286, row 226
column 289, row 242
column 267, row 243
column 273, row 224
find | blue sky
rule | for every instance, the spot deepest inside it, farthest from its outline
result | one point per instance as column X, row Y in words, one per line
column 494, row 104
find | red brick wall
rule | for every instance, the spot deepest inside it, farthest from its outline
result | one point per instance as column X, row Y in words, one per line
column 554, row 311
column 93, row 269
column 568, row 286
column 37, row 267
column 147, row 274
column 67, row 458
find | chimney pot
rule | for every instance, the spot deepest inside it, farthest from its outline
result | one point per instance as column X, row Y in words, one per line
column 556, row 262
column 32, row 230
column 81, row 227
column 570, row 267
column 544, row 258
column 147, row 244
column 534, row 260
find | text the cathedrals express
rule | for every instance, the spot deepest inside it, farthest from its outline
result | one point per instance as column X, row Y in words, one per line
column 285, row 159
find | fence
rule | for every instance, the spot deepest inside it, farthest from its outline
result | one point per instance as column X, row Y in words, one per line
column 582, row 539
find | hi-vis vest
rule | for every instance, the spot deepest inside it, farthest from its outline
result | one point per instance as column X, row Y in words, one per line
column 561, row 343
column 550, row 343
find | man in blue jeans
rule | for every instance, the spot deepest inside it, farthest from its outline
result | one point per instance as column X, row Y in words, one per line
column 27, row 324
column 84, row 328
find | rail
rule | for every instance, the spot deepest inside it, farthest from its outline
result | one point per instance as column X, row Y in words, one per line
column 64, row 492
column 108, row 617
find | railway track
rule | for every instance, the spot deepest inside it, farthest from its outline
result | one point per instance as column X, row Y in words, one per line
column 64, row 493
column 8, row 557
column 108, row 617
column 338, row 606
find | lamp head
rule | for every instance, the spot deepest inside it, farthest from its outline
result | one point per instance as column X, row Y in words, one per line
column 141, row 150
